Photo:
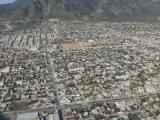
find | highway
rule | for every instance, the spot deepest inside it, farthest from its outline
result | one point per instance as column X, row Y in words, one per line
column 84, row 104
column 147, row 95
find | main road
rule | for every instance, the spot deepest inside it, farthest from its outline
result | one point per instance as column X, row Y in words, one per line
column 83, row 104
column 56, row 94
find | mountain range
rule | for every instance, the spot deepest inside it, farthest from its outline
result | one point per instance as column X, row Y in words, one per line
column 86, row 9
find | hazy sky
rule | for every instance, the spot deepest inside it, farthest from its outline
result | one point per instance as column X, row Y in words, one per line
column 6, row 1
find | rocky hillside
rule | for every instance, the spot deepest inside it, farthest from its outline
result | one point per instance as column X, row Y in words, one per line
column 81, row 8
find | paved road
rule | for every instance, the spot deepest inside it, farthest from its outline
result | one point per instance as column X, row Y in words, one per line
column 56, row 94
column 147, row 95
column 78, row 105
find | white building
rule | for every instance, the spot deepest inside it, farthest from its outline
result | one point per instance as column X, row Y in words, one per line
column 28, row 116
column 1, row 84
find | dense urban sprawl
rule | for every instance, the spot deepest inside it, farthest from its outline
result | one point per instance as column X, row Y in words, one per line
column 76, row 70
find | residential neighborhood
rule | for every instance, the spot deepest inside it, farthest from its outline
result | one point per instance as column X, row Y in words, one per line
column 76, row 70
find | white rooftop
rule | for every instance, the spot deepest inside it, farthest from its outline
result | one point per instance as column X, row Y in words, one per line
column 5, row 70
column 1, row 83
column 28, row 116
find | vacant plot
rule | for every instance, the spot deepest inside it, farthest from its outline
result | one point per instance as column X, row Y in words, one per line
column 69, row 46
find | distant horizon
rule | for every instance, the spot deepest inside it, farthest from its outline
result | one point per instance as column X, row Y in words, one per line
column 6, row 1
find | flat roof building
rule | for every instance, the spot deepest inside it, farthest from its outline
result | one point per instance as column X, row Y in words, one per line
column 28, row 116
